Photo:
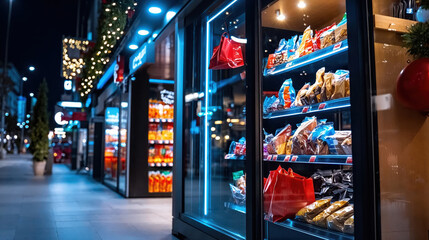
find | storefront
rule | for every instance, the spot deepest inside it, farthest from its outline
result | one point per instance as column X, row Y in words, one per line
column 265, row 122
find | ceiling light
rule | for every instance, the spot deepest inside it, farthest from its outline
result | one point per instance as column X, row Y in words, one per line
column 302, row 4
column 143, row 32
column 280, row 16
column 133, row 46
column 24, row 79
column 170, row 15
column 31, row 68
column 155, row 10
column 154, row 35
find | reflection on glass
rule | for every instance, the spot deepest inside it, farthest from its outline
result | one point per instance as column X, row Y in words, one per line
column 307, row 148
column 123, row 145
column 215, row 121
column 111, row 150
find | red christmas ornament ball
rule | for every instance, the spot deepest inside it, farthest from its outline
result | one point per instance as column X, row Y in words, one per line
column 412, row 86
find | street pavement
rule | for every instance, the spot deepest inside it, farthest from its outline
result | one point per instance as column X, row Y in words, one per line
column 68, row 206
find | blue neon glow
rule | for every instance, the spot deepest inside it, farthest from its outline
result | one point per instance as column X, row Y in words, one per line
column 107, row 75
column 88, row 101
column 89, row 36
column 170, row 15
column 206, row 122
column 155, row 10
column 133, row 46
column 155, row 35
column 143, row 32
column 161, row 81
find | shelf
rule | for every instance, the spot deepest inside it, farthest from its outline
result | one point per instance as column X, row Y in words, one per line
column 392, row 24
column 235, row 207
column 328, row 53
column 160, row 164
column 234, row 157
column 312, row 159
column 160, row 141
column 158, row 120
column 328, row 106
column 299, row 230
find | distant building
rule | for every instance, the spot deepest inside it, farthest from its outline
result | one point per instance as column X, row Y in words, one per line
column 12, row 96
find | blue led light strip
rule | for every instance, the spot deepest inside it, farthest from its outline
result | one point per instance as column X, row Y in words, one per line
column 206, row 113
column 107, row 75
column 161, row 81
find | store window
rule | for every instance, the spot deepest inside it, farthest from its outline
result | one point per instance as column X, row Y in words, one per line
column 215, row 119
column 111, row 142
column 307, row 159
column 123, row 133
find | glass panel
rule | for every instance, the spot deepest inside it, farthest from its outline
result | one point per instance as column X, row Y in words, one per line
column 215, row 121
column 402, row 132
column 160, row 136
column 90, row 157
column 306, row 120
column 111, row 137
column 124, row 136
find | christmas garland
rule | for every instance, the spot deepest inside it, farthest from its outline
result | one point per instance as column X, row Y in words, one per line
column 111, row 23
column 417, row 40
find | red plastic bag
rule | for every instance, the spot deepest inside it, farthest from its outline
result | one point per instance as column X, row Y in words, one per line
column 285, row 193
column 227, row 55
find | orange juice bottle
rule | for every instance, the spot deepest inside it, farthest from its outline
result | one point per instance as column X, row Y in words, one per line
column 156, row 183
column 169, row 183
column 151, row 179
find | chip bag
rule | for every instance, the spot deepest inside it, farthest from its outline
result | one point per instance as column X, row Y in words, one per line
column 318, row 36
column 286, row 94
column 341, row 77
column 308, row 34
column 327, row 88
column 313, row 93
column 300, row 97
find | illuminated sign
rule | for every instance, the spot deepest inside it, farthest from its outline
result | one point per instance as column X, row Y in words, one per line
column 73, row 51
column 68, row 85
column 118, row 75
column 22, row 102
column 59, row 118
column 144, row 54
column 112, row 115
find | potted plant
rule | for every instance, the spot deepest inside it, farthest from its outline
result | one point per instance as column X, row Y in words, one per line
column 39, row 130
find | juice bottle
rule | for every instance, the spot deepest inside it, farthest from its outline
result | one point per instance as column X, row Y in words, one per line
column 156, row 182
column 151, row 181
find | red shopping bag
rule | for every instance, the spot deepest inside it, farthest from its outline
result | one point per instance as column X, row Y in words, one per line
column 290, row 193
column 227, row 55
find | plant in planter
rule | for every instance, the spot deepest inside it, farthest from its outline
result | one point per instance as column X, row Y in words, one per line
column 412, row 87
column 39, row 130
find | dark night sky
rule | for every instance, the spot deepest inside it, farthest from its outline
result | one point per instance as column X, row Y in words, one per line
column 37, row 27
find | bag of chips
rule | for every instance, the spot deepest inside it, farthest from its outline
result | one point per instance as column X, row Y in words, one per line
column 341, row 77
column 291, row 46
column 301, row 136
column 341, row 30
column 307, row 213
column 278, row 143
column 327, row 88
column 286, row 94
column 318, row 144
column 318, row 36
column 268, row 103
column 336, row 140
column 270, row 62
column 300, row 97
column 313, row 93
column 308, row 34
column 327, row 38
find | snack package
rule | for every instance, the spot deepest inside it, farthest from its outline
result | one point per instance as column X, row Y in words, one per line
column 308, row 34
column 268, row 104
column 278, row 55
column 240, row 180
column 346, row 146
column 289, row 146
column 300, row 97
column 318, row 144
column 335, row 142
column 318, row 35
column 270, row 62
column 336, row 220
column 327, row 38
column 279, row 141
column 286, row 94
column 327, row 88
column 341, row 30
column 306, row 214
column 340, row 84
column 308, row 47
column 349, row 225
column 291, row 46
column 237, row 195
column 238, row 148
column 301, row 135
column 313, row 93
column 320, row 219
column 337, row 184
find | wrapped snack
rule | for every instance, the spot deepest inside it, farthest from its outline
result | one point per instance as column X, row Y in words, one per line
column 289, row 146
column 237, row 195
column 313, row 93
column 341, row 30
column 346, row 146
column 336, row 220
column 320, row 219
column 238, row 148
column 308, row 47
column 291, row 46
column 337, row 184
column 317, row 36
column 268, row 104
column 278, row 55
column 349, row 225
column 279, row 141
column 307, row 35
column 327, row 38
column 327, row 88
column 307, row 213
column 301, row 135
column 300, row 97
column 240, row 180
column 318, row 144
column 335, row 142
column 340, row 84
column 286, row 94
column 270, row 62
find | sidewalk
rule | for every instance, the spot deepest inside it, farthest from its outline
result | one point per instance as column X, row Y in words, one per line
column 70, row 206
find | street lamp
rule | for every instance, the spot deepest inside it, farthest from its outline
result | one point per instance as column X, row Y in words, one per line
column 24, row 79
column 31, row 94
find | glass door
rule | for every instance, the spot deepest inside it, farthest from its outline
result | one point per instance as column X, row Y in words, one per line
column 308, row 163
column 123, row 133
column 215, row 119
column 111, row 142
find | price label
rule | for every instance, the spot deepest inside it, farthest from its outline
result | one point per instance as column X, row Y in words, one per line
column 228, row 156
column 157, row 120
column 287, row 158
column 164, row 164
column 312, row 159
column 305, row 109
column 322, row 106
column 275, row 157
column 337, row 46
column 269, row 157
column 288, row 64
column 158, row 164
column 164, row 120
column 349, row 160
column 294, row 158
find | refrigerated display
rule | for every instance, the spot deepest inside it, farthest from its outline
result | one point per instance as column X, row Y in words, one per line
column 307, row 146
column 111, row 145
